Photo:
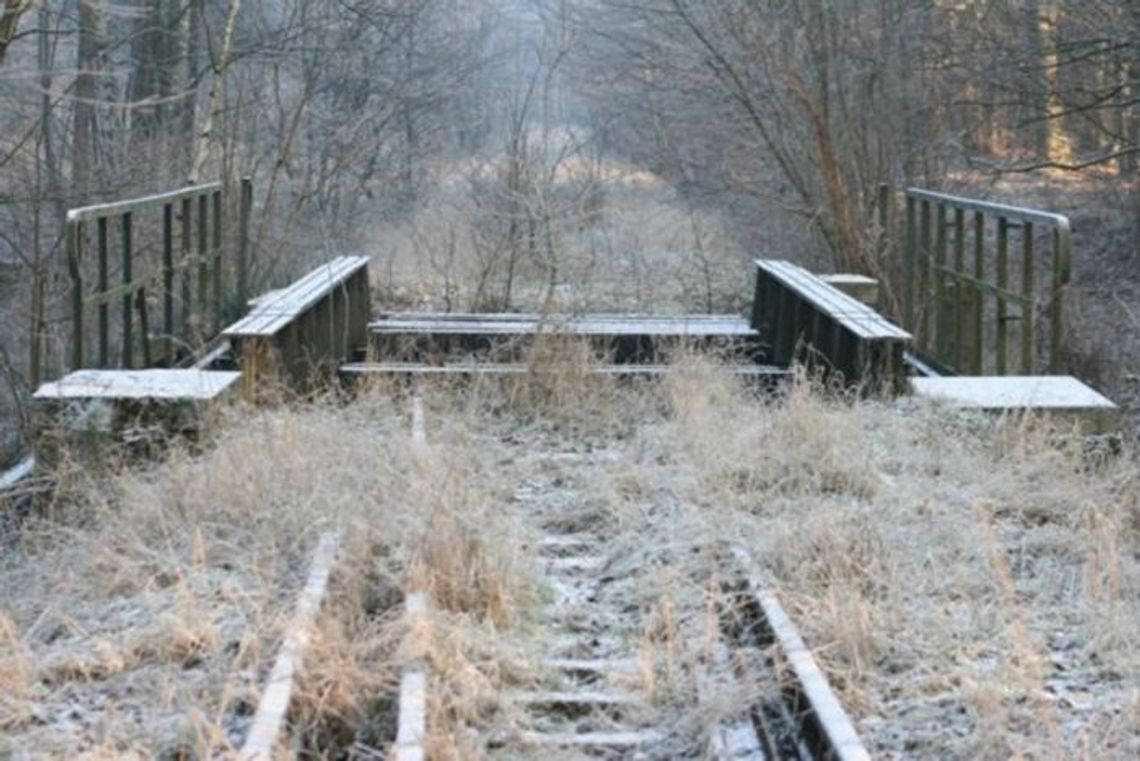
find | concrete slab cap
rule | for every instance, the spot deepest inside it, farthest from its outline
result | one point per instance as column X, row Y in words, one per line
column 860, row 287
column 190, row 385
column 1044, row 392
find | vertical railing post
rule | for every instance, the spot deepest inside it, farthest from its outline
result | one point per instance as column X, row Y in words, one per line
column 216, row 257
column 187, row 269
column 959, row 289
column 908, row 264
column 168, row 279
column 74, row 260
column 939, row 269
column 144, row 325
column 1003, row 286
column 1062, row 251
column 104, row 307
column 203, row 257
column 980, row 277
column 127, row 355
column 923, row 272
column 244, row 211
column 1027, row 321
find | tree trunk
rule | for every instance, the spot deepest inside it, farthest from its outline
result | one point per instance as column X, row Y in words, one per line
column 410, row 138
column 10, row 19
column 1058, row 145
column 217, row 90
column 83, row 150
column 1034, row 94
column 184, row 145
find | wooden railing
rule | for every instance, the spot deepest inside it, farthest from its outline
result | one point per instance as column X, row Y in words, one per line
column 802, row 317
column 174, row 248
column 959, row 292
column 314, row 325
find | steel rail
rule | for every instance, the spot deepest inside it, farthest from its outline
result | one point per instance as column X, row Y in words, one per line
column 269, row 721
column 824, row 726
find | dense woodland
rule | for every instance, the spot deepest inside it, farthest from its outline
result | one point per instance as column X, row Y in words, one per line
column 352, row 117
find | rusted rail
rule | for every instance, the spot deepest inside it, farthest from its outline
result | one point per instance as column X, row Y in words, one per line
column 818, row 727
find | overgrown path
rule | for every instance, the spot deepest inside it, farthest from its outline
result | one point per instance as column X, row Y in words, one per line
column 617, row 657
column 963, row 582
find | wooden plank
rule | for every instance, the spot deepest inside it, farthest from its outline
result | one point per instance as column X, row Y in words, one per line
column 576, row 564
column 600, row 666
column 126, row 351
column 144, row 326
column 168, row 279
column 812, row 321
column 275, row 311
column 1002, row 322
column 617, row 740
column 496, row 368
column 419, row 434
column 576, row 698
column 859, row 287
column 269, row 721
column 133, row 204
column 553, row 317
column 185, row 240
column 203, row 259
column 856, row 316
column 412, row 725
column 104, row 284
column 589, row 325
column 1028, row 336
column 1017, row 213
column 216, row 257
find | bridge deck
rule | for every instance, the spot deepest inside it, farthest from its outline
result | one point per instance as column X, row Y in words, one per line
column 436, row 324
column 623, row 338
column 628, row 370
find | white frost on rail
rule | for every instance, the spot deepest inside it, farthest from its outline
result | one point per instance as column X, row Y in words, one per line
column 274, row 704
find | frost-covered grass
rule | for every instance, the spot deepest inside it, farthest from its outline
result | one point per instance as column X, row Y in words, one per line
column 970, row 585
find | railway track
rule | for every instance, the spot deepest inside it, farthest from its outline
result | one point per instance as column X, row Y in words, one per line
column 596, row 688
column 595, row 696
column 592, row 701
